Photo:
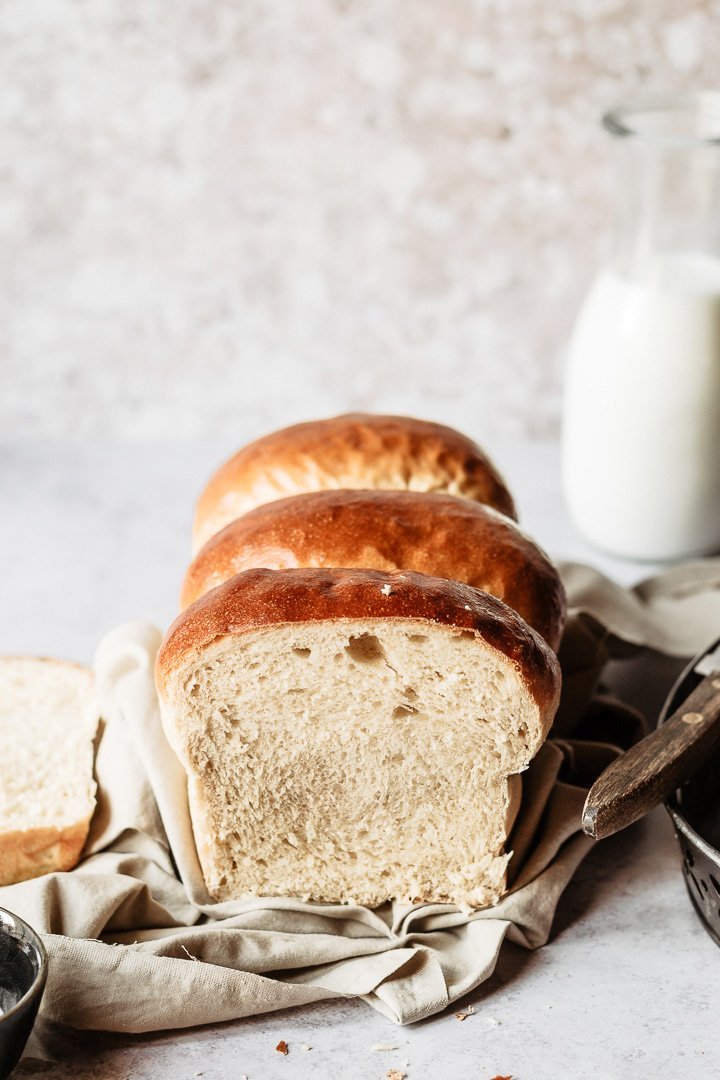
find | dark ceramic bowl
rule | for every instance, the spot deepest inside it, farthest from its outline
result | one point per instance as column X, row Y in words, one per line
column 695, row 813
column 23, row 971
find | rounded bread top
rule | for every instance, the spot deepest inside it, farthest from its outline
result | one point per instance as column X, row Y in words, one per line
column 428, row 532
column 264, row 598
column 356, row 451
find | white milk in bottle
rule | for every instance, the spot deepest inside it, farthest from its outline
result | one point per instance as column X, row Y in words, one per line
column 641, row 420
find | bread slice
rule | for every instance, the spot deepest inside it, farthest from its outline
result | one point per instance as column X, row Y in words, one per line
column 355, row 451
column 429, row 532
column 48, row 721
column 349, row 734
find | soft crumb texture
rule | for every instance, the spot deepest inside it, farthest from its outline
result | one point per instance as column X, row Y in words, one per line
column 352, row 760
column 48, row 721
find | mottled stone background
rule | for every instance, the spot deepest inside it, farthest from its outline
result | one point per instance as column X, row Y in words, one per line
column 221, row 215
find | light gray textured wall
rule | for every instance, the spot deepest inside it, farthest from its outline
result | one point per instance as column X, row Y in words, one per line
column 235, row 213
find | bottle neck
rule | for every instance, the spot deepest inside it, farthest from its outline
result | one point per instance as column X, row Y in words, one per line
column 668, row 205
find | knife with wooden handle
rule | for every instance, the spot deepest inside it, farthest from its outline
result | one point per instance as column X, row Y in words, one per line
column 652, row 769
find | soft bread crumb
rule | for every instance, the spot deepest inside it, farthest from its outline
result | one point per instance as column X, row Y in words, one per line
column 395, row 1074
column 405, row 727
column 47, row 791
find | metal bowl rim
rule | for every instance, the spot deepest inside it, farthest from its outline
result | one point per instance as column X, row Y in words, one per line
column 38, row 983
column 671, row 804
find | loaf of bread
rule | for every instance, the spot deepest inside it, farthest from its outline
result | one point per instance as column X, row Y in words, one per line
column 354, row 451
column 48, row 720
column 349, row 734
column 431, row 533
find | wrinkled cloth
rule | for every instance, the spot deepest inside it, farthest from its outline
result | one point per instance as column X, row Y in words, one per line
column 137, row 944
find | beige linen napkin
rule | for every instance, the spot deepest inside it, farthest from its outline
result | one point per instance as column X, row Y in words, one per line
column 136, row 944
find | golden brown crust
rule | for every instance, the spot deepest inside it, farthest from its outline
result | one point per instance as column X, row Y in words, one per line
column 258, row 598
column 430, row 533
column 355, row 451
column 30, row 853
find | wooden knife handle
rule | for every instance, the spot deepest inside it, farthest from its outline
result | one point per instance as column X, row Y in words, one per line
column 657, row 765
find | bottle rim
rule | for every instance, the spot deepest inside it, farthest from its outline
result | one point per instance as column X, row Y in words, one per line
column 670, row 121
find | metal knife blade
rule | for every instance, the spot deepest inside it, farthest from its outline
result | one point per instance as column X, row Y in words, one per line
column 710, row 663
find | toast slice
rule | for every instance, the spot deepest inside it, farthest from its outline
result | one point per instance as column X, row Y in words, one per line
column 48, row 721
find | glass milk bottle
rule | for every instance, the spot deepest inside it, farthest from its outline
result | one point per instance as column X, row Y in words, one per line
column 641, row 420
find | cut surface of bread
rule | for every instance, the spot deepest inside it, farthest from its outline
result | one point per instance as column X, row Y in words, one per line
column 350, row 735
column 48, row 721
column 355, row 451
column 432, row 533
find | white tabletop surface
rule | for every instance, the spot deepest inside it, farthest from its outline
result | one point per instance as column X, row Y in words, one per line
column 627, row 986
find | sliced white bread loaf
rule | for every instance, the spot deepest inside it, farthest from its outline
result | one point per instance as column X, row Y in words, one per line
column 48, row 721
column 349, row 734
column 429, row 532
column 357, row 450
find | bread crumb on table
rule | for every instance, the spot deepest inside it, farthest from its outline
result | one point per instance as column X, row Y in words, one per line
column 395, row 1074
column 282, row 1047
column 464, row 1013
